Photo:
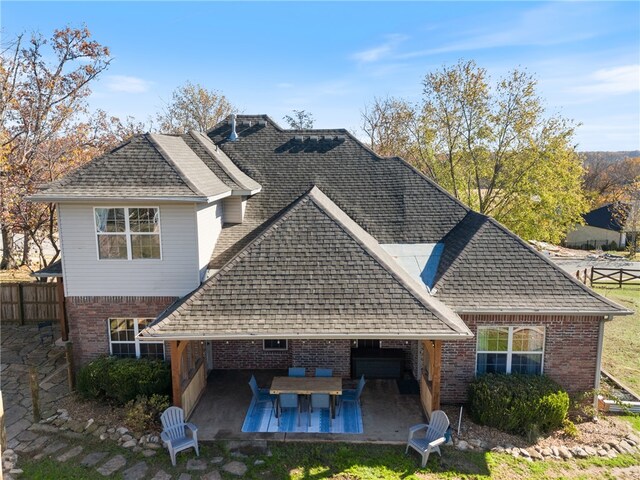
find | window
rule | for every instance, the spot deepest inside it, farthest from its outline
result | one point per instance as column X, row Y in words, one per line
column 367, row 344
column 274, row 345
column 123, row 342
column 128, row 233
column 510, row 350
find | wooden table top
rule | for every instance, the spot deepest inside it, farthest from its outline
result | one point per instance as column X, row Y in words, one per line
column 306, row 385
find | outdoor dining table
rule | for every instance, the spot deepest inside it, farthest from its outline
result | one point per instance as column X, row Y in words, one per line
column 307, row 386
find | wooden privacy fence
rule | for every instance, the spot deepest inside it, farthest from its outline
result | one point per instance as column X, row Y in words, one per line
column 609, row 276
column 29, row 302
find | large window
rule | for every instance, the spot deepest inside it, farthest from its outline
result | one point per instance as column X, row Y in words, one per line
column 510, row 350
column 123, row 341
column 128, row 233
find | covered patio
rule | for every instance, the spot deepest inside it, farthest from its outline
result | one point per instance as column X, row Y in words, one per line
column 223, row 406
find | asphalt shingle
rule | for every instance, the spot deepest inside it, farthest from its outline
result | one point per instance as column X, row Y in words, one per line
column 312, row 273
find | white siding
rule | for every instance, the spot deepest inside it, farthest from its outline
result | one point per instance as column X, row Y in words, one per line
column 594, row 236
column 176, row 274
column 234, row 209
column 209, row 218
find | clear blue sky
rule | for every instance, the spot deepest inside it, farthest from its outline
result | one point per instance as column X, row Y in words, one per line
column 333, row 58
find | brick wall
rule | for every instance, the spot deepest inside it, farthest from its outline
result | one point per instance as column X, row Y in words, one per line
column 87, row 316
column 570, row 352
column 249, row 354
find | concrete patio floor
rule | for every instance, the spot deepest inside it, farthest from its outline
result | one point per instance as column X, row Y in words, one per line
column 386, row 414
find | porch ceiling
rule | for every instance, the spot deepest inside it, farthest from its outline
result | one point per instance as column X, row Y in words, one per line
column 314, row 273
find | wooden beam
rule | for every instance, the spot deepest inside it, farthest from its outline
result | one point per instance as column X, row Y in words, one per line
column 62, row 312
column 177, row 347
column 436, row 373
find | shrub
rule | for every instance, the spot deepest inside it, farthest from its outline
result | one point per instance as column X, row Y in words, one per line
column 144, row 412
column 522, row 404
column 123, row 379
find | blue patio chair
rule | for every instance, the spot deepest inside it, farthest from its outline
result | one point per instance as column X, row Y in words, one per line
column 297, row 372
column 288, row 401
column 320, row 401
column 261, row 395
column 352, row 395
column 434, row 435
column 324, row 372
column 174, row 433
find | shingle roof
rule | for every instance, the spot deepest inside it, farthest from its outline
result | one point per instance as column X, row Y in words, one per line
column 609, row 217
column 134, row 169
column 314, row 273
column 188, row 167
column 484, row 267
column 52, row 270
column 395, row 204
column 385, row 196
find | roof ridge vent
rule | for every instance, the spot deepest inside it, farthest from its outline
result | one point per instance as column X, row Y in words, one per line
column 233, row 136
column 299, row 138
column 246, row 123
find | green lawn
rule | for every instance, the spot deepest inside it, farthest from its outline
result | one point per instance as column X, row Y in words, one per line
column 339, row 461
column 621, row 354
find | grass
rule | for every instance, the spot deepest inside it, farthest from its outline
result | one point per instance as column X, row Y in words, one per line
column 341, row 461
column 622, row 337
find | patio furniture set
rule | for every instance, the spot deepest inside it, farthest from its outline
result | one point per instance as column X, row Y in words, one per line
column 320, row 392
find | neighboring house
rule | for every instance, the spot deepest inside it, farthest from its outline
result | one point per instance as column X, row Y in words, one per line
column 304, row 248
column 603, row 227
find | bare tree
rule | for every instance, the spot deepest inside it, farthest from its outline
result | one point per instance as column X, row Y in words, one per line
column 193, row 107
column 299, row 120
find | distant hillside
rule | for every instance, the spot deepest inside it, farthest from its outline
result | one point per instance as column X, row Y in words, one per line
column 608, row 157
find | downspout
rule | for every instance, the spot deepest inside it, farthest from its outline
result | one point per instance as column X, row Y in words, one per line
column 599, row 360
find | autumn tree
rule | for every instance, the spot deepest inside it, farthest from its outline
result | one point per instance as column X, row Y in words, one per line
column 299, row 119
column 607, row 181
column 388, row 124
column 193, row 107
column 44, row 89
column 491, row 145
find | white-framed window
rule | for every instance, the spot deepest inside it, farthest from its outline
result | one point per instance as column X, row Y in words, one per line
column 128, row 233
column 275, row 345
column 510, row 350
column 123, row 341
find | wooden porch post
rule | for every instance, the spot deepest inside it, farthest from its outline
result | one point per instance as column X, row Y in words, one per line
column 435, row 375
column 62, row 312
column 177, row 348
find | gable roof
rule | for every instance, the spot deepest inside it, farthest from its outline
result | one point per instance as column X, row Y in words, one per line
column 486, row 268
column 605, row 217
column 314, row 273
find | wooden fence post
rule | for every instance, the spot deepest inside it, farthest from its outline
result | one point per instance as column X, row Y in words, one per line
column 35, row 393
column 20, row 305
column 70, row 366
column 591, row 279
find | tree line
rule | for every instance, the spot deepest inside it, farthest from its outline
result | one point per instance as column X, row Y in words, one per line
column 491, row 144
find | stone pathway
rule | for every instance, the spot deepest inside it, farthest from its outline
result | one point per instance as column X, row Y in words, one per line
column 71, row 447
column 21, row 348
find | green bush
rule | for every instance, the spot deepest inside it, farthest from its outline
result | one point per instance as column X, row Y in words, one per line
column 144, row 412
column 123, row 379
column 521, row 404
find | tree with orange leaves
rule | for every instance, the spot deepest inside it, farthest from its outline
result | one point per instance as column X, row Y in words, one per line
column 46, row 128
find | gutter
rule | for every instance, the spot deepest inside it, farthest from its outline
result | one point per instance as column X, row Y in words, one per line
column 146, row 336
column 57, row 199
column 525, row 311
column 596, row 383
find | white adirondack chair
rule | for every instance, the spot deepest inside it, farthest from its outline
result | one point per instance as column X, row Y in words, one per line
column 433, row 435
column 175, row 434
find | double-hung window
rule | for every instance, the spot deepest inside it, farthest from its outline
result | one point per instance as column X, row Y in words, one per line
column 128, row 233
column 123, row 341
column 510, row 350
